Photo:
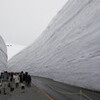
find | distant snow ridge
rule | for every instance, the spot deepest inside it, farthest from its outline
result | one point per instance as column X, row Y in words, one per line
column 13, row 49
column 69, row 48
column 3, row 55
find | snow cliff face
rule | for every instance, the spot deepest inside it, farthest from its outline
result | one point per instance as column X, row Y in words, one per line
column 3, row 55
column 69, row 48
column 13, row 49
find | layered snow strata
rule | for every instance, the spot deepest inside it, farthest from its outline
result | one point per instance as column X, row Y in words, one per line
column 69, row 49
column 3, row 55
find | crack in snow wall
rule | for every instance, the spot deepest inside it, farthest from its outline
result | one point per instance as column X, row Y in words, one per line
column 69, row 49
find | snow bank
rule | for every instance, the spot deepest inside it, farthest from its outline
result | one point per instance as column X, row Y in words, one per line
column 3, row 55
column 69, row 48
column 13, row 49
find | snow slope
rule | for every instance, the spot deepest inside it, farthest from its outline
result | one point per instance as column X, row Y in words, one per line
column 3, row 55
column 13, row 49
column 69, row 49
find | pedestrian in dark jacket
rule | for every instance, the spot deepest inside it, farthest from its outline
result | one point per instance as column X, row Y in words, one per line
column 21, row 77
column 28, row 80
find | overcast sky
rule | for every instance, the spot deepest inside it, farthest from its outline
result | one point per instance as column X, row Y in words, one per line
column 22, row 21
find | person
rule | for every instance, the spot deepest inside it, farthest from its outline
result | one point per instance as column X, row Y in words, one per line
column 21, row 77
column 25, row 78
column 22, row 81
column 0, row 83
column 11, row 86
column 5, row 82
column 28, row 80
column 16, row 79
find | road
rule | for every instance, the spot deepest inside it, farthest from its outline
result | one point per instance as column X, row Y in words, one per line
column 32, row 93
column 60, row 91
column 47, row 89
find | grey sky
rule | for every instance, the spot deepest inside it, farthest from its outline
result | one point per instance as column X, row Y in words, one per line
column 22, row 21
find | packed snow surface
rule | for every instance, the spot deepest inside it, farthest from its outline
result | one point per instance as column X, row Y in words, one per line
column 3, row 55
column 69, row 49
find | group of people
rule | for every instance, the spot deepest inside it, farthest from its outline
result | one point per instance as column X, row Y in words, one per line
column 11, row 80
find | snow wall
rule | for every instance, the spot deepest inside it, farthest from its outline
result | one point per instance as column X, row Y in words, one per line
column 3, row 55
column 69, row 49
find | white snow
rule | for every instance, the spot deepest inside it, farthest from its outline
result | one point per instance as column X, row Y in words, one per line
column 3, row 55
column 13, row 49
column 69, row 49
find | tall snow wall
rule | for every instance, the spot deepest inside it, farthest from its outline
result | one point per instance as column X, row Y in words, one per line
column 3, row 55
column 69, row 49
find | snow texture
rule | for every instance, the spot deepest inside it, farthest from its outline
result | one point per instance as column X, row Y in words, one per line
column 13, row 49
column 3, row 55
column 69, row 49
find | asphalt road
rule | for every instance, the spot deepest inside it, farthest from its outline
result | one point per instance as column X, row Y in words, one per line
column 60, row 91
column 32, row 93
column 47, row 89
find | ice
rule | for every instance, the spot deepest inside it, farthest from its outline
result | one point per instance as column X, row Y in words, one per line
column 69, row 49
